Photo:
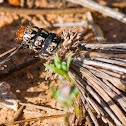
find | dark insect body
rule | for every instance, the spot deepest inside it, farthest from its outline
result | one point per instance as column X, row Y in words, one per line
column 39, row 40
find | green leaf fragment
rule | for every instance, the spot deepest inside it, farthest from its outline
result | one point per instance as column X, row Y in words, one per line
column 68, row 61
column 50, row 67
column 64, row 66
column 56, row 59
column 57, row 62
column 53, row 92
column 77, row 111
column 74, row 92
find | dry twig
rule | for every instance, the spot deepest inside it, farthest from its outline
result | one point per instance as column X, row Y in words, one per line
column 90, row 19
column 43, row 11
column 17, row 114
column 12, row 54
column 43, row 108
column 40, row 118
column 120, row 4
column 102, row 9
column 71, row 24
column 104, row 46
column 7, row 52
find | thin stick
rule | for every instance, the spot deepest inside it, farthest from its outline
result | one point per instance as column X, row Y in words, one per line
column 43, row 108
column 102, row 9
column 7, row 52
column 43, row 11
column 71, row 24
column 92, row 54
column 18, row 113
column 105, row 46
column 90, row 19
column 120, row 4
column 91, row 115
column 40, row 118
column 12, row 54
column 117, row 97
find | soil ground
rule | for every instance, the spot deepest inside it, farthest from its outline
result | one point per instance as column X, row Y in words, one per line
column 29, row 84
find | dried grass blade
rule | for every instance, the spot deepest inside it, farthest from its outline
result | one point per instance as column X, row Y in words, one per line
column 95, row 83
column 104, row 65
column 118, row 83
column 111, row 61
column 86, row 104
column 83, row 84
